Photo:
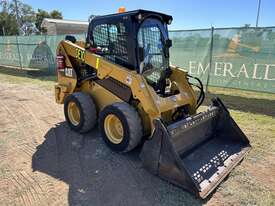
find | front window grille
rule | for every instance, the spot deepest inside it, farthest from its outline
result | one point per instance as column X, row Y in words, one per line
column 150, row 40
column 111, row 39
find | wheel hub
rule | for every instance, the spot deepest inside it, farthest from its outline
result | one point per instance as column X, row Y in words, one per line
column 73, row 113
column 113, row 129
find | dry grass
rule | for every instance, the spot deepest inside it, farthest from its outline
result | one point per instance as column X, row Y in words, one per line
column 34, row 77
column 252, row 182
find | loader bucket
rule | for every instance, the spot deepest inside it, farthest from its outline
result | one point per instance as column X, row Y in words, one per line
column 196, row 153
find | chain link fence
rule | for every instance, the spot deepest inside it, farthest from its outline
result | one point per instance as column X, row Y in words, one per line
column 242, row 58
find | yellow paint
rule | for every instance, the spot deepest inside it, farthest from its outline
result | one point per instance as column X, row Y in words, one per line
column 73, row 113
column 101, row 96
column 153, row 106
column 97, row 63
column 113, row 128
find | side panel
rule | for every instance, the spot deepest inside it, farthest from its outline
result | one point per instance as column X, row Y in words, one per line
column 101, row 96
column 120, row 90
column 66, row 78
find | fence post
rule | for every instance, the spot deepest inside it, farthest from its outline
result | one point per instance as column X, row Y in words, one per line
column 46, row 42
column 19, row 54
column 210, row 59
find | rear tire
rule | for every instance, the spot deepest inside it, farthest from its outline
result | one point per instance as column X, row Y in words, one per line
column 80, row 112
column 121, row 127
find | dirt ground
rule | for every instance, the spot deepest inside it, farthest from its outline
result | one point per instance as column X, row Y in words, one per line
column 43, row 162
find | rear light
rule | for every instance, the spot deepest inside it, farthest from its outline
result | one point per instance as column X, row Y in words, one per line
column 60, row 63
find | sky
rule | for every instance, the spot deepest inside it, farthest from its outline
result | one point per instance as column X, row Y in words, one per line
column 187, row 14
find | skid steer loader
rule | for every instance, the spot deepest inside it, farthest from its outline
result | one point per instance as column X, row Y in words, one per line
column 120, row 77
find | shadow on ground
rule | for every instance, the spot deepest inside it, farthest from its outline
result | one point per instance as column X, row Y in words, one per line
column 98, row 176
column 252, row 105
column 39, row 74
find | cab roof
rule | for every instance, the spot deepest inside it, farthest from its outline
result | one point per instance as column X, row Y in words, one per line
column 145, row 14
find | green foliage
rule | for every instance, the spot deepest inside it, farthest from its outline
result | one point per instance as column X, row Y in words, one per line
column 25, row 12
column 55, row 14
column 9, row 24
column 41, row 14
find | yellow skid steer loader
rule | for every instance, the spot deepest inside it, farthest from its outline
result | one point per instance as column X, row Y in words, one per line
column 120, row 77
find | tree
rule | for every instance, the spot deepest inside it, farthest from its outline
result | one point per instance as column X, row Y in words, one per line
column 25, row 12
column 8, row 21
column 55, row 14
column 41, row 14
column 8, row 24
column 28, row 19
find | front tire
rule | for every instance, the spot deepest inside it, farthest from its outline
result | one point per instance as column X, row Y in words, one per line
column 80, row 112
column 121, row 127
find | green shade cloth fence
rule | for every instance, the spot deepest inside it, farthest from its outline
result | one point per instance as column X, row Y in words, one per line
column 242, row 58
column 31, row 51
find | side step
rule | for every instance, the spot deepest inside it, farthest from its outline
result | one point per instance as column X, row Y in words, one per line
column 198, row 152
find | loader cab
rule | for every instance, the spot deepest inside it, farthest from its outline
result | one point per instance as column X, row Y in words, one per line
column 137, row 40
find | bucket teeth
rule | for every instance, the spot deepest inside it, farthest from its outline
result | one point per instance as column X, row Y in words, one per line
column 198, row 152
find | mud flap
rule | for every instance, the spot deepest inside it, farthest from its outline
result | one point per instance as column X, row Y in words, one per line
column 196, row 153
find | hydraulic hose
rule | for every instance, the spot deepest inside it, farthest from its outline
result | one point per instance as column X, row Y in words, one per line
column 200, row 87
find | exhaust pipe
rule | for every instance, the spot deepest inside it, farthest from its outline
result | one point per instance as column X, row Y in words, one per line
column 196, row 153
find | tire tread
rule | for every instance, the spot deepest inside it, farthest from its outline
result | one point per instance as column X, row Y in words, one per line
column 89, row 111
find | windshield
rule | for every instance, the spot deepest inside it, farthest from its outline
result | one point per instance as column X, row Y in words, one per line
column 151, row 43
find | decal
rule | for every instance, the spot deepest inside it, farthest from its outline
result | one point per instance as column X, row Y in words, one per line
column 97, row 63
column 142, row 85
column 129, row 79
column 69, row 72
column 173, row 98
column 80, row 54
